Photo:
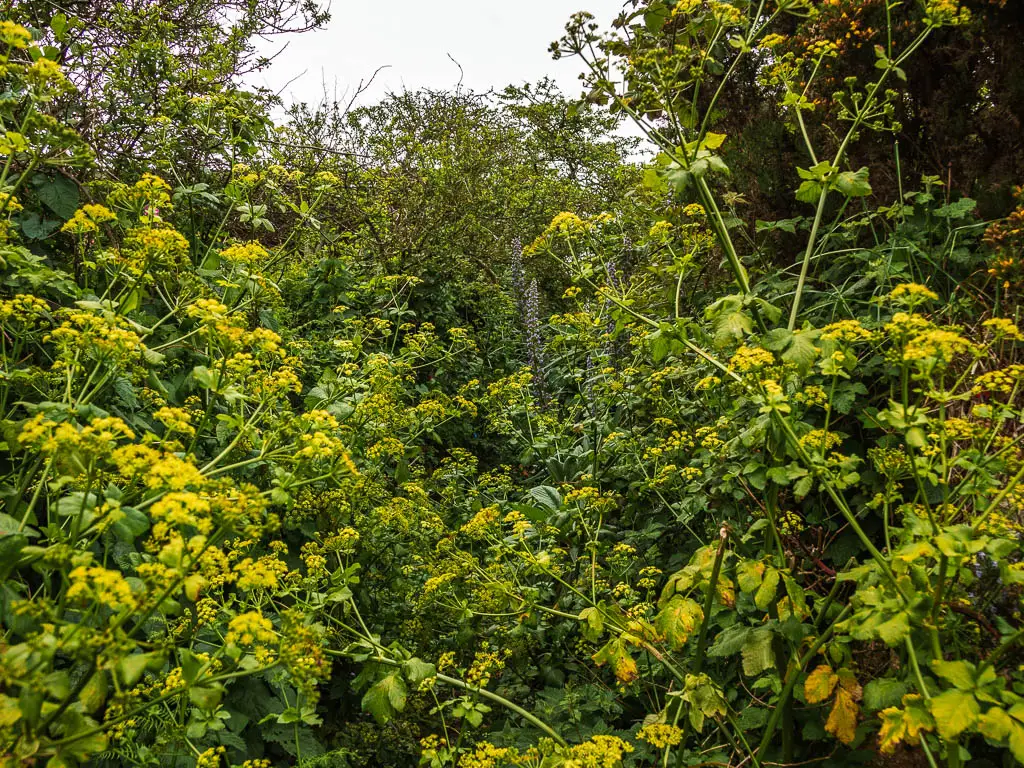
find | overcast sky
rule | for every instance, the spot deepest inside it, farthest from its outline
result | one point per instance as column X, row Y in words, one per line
column 496, row 43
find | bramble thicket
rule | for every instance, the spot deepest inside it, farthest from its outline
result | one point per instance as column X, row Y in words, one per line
column 462, row 430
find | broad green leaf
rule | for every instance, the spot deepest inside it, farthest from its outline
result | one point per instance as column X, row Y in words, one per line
column 766, row 592
column 882, row 693
column 385, row 698
column 729, row 641
column 895, row 630
column 960, row 674
column 616, row 655
column 206, row 697
column 592, row 623
column 853, row 183
column 954, row 711
column 756, row 653
column 417, row 670
column 57, row 193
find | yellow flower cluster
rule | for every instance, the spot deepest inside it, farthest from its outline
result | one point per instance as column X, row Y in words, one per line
column 599, row 752
column 175, row 420
column 87, row 219
column 1002, row 381
column 23, row 310
column 1003, row 329
column 263, row 573
column 103, row 335
column 820, row 441
column 484, row 755
column 482, row 523
column 245, row 253
column 250, row 628
column 913, row 294
column 14, row 35
column 936, row 345
column 9, row 204
column 210, row 758
column 661, row 735
column 106, row 587
column 846, row 330
column 747, row 359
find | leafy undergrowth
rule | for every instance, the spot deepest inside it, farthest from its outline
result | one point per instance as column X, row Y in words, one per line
column 309, row 460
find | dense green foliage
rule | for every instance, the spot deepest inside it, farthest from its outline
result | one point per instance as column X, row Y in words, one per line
column 451, row 431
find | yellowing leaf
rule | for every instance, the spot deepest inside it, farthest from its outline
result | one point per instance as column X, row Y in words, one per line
column 893, row 730
column 625, row 668
column 903, row 725
column 749, row 575
column 592, row 624
column 766, row 593
column 713, row 140
column 820, row 684
column 678, row 620
column 842, row 720
column 954, row 712
column 614, row 653
column 193, row 586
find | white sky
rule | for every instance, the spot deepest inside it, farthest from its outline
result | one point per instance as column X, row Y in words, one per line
column 496, row 43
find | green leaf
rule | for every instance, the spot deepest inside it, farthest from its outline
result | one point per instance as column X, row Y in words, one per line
column 713, row 140
column 729, row 641
column 592, row 621
column 960, row 674
column 895, row 630
column 35, row 227
column 655, row 17
column 883, row 692
column 546, row 496
column 206, row 697
column 95, row 692
column 10, row 545
column 58, row 193
column 809, row 191
column 853, row 183
column 749, row 574
column 385, row 698
column 954, row 711
column 766, row 592
column 417, row 670
column 756, row 653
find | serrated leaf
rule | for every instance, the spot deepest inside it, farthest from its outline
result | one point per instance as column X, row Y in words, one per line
column 882, row 693
column 385, row 698
column 756, row 653
column 749, row 574
column 417, row 670
column 820, row 683
column 894, row 631
column 853, row 183
column 729, row 641
column 592, row 623
column 954, row 711
column 615, row 654
column 842, row 720
column 809, row 191
column 960, row 674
